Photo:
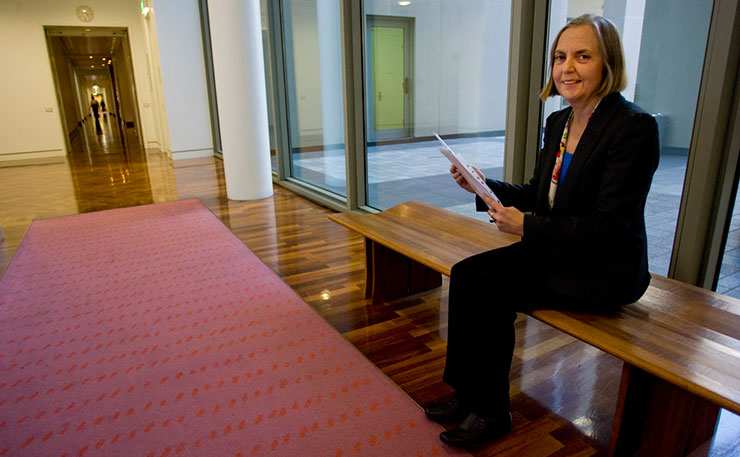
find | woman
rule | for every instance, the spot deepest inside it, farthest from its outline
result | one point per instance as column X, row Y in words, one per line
column 581, row 218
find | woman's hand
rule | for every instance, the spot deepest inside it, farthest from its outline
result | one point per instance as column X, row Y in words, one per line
column 507, row 218
column 460, row 179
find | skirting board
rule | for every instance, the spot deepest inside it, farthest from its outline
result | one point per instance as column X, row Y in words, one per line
column 192, row 154
column 25, row 158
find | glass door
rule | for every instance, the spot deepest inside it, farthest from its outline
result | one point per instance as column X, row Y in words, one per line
column 390, row 71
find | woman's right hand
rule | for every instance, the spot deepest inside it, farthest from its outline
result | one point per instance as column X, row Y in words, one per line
column 460, row 179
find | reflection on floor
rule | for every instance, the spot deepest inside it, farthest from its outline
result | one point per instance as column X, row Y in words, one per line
column 563, row 391
column 417, row 171
column 107, row 150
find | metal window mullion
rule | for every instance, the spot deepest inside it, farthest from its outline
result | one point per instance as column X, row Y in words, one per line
column 210, row 77
column 527, row 51
column 282, row 129
column 353, row 78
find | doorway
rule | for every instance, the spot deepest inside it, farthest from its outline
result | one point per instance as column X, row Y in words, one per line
column 94, row 83
column 390, row 57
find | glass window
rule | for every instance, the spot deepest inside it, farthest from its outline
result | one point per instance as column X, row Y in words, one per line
column 313, row 72
column 729, row 273
column 433, row 66
column 664, row 43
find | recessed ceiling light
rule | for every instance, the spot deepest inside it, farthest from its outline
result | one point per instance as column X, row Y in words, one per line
column 404, row 2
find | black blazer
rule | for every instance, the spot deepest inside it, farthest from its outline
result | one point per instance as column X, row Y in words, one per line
column 594, row 237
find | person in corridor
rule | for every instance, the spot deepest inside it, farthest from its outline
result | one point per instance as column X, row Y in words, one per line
column 95, row 106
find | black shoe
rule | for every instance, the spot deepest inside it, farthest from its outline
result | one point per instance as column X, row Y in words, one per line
column 447, row 411
column 477, row 430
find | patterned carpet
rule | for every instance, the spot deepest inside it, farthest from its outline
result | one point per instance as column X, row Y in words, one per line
column 153, row 331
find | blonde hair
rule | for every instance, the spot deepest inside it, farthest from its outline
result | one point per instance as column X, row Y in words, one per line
column 614, row 78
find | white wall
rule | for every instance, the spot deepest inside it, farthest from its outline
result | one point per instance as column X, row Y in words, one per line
column 182, row 62
column 27, row 84
column 184, row 77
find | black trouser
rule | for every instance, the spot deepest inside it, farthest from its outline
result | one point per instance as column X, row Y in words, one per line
column 486, row 291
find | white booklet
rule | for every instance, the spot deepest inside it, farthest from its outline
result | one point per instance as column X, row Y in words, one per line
column 476, row 182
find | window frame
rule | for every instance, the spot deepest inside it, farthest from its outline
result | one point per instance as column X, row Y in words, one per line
column 712, row 168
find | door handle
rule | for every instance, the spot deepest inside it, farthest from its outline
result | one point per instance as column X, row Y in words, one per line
column 406, row 85
column 380, row 95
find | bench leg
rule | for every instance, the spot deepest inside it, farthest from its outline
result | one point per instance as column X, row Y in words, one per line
column 390, row 275
column 658, row 419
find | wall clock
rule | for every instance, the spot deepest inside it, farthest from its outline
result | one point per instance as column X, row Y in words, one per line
column 85, row 13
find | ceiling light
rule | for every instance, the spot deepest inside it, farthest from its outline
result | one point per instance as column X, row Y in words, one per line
column 91, row 57
column 404, row 2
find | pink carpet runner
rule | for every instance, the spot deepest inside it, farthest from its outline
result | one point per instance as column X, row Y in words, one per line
column 153, row 331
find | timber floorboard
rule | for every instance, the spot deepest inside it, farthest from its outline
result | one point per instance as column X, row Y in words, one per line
column 563, row 391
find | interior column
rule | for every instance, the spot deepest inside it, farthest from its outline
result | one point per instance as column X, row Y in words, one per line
column 238, row 65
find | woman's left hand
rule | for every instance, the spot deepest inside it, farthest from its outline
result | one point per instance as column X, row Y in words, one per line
column 507, row 218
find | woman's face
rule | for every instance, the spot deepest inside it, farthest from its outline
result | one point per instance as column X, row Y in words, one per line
column 577, row 65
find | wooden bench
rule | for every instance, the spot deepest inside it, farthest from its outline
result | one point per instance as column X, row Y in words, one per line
column 680, row 344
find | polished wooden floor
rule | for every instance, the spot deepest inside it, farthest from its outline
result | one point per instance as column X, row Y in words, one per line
column 563, row 391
